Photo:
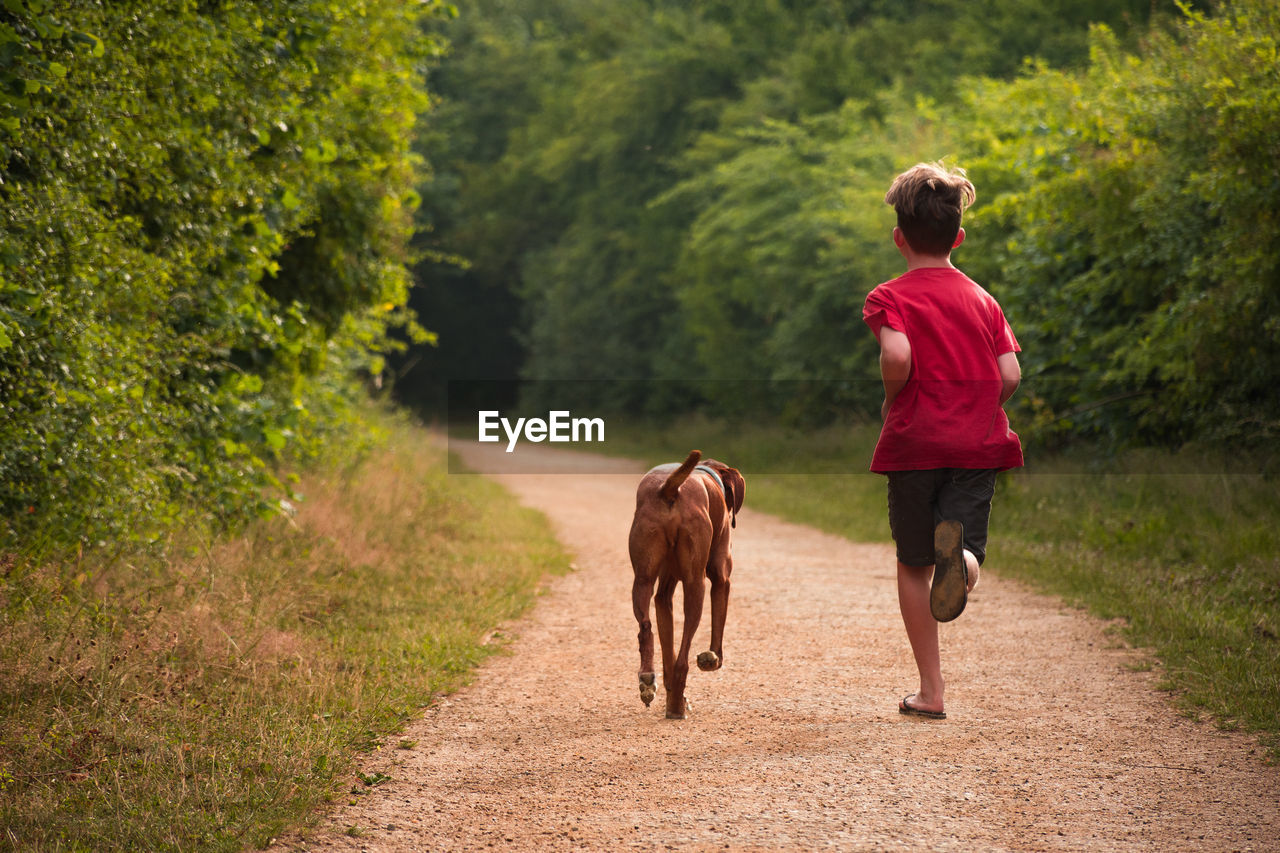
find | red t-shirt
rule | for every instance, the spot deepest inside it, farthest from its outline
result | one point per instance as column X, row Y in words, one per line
column 948, row 415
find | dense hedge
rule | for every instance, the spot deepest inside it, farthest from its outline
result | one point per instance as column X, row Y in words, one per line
column 1133, row 230
column 205, row 207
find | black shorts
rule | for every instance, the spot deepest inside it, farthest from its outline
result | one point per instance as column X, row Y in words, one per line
column 918, row 500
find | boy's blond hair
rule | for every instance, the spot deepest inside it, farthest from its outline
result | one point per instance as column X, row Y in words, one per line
column 930, row 200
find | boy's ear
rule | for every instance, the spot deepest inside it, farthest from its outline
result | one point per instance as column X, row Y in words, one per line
column 959, row 238
column 899, row 239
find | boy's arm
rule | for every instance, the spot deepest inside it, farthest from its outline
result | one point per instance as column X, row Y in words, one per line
column 1010, row 375
column 895, row 365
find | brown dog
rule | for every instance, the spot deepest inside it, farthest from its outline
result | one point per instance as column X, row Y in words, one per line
column 680, row 534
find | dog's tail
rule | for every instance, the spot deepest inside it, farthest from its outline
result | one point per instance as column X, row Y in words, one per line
column 672, row 486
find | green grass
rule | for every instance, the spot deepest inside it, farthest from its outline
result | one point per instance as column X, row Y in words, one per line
column 1184, row 549
column 214, row 698
column 1187, row 555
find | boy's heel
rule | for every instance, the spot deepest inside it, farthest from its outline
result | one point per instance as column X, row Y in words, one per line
column 949, row 593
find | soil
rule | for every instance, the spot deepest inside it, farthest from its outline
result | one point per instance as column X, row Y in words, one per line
column 1057, row 737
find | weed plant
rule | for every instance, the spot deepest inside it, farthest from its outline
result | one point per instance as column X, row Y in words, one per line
column 212, row 698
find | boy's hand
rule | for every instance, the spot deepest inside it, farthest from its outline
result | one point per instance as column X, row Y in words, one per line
column 1010, row 375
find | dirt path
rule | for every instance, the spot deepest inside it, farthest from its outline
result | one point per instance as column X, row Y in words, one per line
column 1053, row 741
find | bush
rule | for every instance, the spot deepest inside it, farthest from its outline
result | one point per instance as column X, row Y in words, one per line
column 1133, row 232
column 205, row 208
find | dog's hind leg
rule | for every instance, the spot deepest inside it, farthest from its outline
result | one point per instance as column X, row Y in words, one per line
column 677, row 706
column 662, row 602
column 641, row 593
column 718, row 571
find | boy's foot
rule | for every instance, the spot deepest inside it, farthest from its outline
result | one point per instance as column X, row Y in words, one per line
column 948, row 594
column 905, row 707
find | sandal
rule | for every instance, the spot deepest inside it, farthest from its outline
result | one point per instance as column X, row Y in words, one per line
column 949, row 591
column 905, row 707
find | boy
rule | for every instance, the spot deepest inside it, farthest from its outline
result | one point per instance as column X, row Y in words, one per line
column 949, row 362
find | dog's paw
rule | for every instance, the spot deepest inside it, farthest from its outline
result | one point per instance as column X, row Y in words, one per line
column 708, row 661
column 648, row 688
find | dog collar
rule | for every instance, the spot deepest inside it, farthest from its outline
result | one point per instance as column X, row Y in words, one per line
column 714, row 475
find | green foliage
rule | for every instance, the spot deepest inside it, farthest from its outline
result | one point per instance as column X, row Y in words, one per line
column 675, row 192
column 562, row 219
column 766, row 277
column 205, row 208
column 1134, row 231
column 697, row 195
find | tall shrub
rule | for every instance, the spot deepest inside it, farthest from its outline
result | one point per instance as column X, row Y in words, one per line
column 1139, row 232
column 204, row 209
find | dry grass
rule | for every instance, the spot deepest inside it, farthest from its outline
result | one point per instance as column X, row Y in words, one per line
column 212, row 698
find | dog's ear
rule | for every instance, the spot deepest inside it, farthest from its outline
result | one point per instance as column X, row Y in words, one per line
column 735, row 486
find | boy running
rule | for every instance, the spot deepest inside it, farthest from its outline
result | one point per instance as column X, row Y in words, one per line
column 949, row 362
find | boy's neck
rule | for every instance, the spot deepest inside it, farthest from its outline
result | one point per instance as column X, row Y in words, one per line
column 923, row 262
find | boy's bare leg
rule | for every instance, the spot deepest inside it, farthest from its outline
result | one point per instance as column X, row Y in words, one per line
column 922, row 632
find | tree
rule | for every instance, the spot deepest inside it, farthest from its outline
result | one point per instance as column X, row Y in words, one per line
column 665, row 189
